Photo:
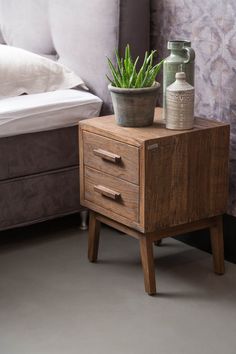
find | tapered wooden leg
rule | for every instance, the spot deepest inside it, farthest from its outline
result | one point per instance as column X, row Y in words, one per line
column 93, row 238
column 146, row 251
column 217, row 245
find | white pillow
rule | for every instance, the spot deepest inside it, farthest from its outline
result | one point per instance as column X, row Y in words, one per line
column 25, row 72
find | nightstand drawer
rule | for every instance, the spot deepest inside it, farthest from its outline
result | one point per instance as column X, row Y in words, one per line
column 112, row 194
column 111, row 156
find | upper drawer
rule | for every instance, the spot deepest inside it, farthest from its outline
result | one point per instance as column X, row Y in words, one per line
column 111, row 156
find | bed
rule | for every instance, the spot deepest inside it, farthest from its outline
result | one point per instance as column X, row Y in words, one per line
column 39, row 160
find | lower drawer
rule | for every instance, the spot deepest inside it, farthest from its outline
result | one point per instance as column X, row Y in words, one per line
column 112, row 194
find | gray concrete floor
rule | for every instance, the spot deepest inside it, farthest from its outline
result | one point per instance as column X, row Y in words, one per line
column 53, row 301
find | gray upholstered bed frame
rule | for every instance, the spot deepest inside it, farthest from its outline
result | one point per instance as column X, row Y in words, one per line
column 39, row 172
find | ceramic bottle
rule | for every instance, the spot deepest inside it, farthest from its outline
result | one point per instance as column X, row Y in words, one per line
column 181, row 58
column 180, row 104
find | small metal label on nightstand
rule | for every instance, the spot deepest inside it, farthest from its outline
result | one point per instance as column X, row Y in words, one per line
column 153, row 147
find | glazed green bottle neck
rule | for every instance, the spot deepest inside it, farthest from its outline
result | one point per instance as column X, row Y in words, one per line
column 179, row 52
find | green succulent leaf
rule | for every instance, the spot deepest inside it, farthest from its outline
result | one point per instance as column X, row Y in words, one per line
column 111, row 81
column 133, row 75
column 115, row 74
column 125, row 73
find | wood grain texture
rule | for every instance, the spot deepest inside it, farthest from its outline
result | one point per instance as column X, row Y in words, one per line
column 183, row 175
column 128, row 166
column 146, row 252
column 81, row 166
column 107, row 156
column 158, row 235
column 93, row 238
column 217, row 245
column 120, row 226
column 146, row 243
column 123, row 220
column 107, row 192
column 172, row 182
column 128, row 203
column 107, row 127
column 182, row 229
column 186, row 178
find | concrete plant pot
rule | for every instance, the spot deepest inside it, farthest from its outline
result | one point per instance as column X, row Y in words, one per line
column 134, row 107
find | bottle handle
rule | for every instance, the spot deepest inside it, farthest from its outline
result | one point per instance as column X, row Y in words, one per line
column 190, row 54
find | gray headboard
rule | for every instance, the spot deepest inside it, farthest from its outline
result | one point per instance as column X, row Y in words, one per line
column 82, row 32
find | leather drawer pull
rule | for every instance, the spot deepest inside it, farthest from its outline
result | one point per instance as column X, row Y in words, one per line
column 107, row 192
column 106, row 155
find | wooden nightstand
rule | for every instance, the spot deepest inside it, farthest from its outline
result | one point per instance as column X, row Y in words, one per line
column 152, row 183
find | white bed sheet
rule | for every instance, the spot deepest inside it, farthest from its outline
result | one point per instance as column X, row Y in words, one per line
column 46, row 111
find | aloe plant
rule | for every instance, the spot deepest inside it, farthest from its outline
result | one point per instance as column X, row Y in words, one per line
column 126, row 75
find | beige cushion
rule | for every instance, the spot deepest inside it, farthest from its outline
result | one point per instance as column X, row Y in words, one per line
column 25, row 24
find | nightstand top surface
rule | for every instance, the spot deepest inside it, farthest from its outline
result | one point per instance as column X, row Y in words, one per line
column 107, row 126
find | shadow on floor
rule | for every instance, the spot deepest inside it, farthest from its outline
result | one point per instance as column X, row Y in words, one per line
column 201, row 239
column 38, row 233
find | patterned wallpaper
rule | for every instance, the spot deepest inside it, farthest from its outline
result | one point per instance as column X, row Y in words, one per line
column 211, row 26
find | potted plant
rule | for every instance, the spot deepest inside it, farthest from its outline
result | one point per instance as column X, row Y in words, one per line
column 133, row 91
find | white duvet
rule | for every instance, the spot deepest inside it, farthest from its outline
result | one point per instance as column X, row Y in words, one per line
column 45, row 111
